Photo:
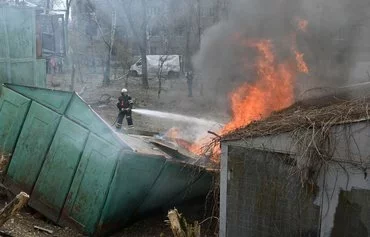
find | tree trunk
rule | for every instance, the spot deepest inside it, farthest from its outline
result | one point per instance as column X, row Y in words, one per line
column 143, row 48
column 73, row 77
column 188, row 32
column 106, row 79
column 199, row 23
column 66, row 35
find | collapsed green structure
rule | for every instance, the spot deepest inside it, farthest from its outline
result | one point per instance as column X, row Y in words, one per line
column 78, row 171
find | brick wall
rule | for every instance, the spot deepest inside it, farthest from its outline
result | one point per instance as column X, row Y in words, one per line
column 265, row 198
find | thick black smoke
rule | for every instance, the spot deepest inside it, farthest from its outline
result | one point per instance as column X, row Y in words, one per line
column 328, row 43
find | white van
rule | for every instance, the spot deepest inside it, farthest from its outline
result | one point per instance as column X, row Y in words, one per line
column 171, row 66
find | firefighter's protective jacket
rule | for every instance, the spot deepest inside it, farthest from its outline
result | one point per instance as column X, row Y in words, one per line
column 124, row 102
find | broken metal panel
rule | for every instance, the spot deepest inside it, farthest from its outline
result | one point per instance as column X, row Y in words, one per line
column 56, row 175
column 172, row 181
column 55, row 100
column 33, row 143
column 133, row 179
column 13, row 110
column 90, row 185
column 109, row 183
column 81, row 113
column 195, row 189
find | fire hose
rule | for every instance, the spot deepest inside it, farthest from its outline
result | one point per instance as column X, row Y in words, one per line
column 115, row 121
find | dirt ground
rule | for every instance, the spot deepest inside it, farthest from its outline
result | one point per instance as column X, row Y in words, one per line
column 173, row 98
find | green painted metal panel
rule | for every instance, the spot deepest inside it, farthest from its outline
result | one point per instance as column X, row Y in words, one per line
column 13, row 110
column 134, row 177
column 18, row 63
column 171, row 182
column 60, row 164
column 3, row 33
column 196, row 189
column 79, row 171
column 80, row 112
column 22, row 72
column 33, row 143
column 40, row 73
column 21, row 32
column 89, row 189
column 55, row 100
column 3, row 72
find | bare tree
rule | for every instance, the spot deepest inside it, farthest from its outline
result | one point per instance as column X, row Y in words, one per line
column 66, row 23
column 108, row 38
column 140, row 35
column 106, row 80
column 189, row 21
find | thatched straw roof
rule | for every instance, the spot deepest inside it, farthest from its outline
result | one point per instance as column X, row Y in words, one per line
column 326, row 111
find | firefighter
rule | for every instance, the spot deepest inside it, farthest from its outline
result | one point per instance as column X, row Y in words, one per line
column 124, row 105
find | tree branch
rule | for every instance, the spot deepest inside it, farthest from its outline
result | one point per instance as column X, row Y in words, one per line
column 97, row 23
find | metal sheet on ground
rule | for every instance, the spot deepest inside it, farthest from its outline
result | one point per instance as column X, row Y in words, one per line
column 138, row 173
column 59, row 168
column 13, row 109
column 172, row 181
column 81, row 113
column 33, row 143
column 55, row 100
column 90, row 186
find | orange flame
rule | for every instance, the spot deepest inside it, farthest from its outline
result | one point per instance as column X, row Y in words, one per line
column 301, row 64
column 273, row 90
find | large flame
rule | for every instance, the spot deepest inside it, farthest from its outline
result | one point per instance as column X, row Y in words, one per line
column 273, row 90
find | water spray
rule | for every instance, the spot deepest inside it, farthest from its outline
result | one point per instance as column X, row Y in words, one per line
column 176, row 117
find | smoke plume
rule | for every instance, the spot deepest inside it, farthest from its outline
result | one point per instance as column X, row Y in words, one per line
column 329, row 43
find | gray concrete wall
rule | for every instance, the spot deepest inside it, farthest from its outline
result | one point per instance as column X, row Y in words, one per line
column 264, row 197
column 352, row 217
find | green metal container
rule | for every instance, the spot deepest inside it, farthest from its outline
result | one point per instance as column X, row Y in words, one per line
column 81, row 173
column 18, row 63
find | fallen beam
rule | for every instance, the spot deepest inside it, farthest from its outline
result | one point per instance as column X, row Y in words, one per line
column 13, row 207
